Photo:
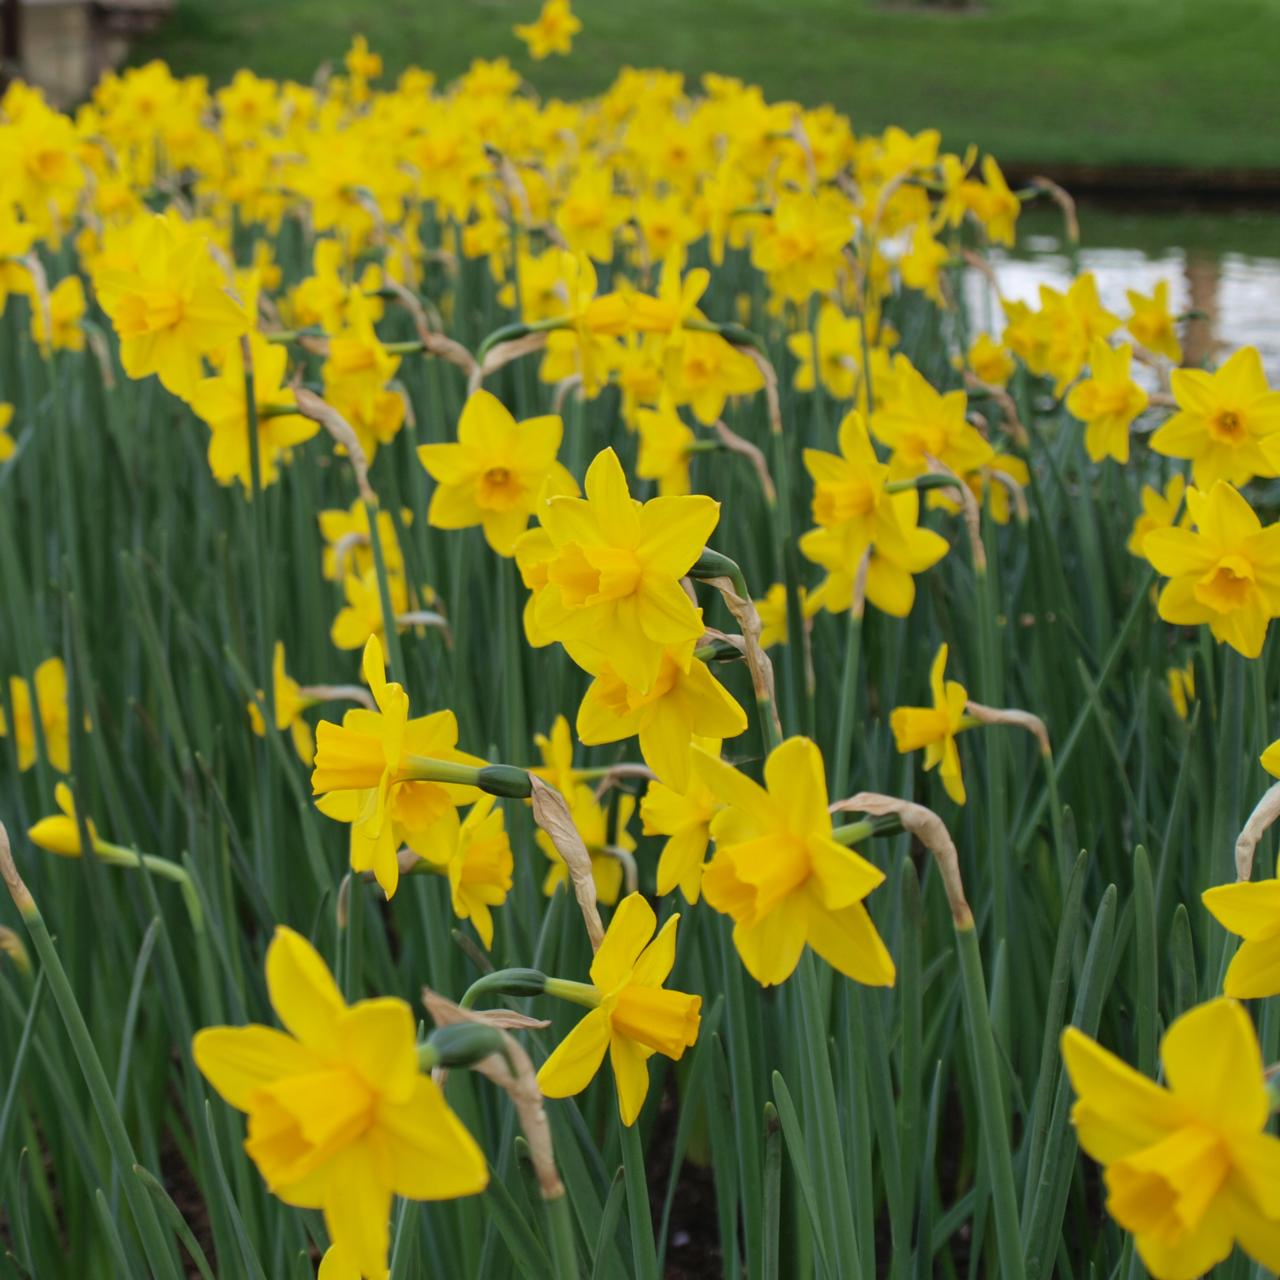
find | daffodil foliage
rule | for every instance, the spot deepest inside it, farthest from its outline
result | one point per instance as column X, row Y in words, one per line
column 581, row 695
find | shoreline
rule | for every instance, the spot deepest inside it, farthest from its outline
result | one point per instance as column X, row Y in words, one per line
column 1157, row 185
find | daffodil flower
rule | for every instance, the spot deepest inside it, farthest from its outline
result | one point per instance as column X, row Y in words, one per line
column 684, row 816
column 496, row 473
column 1225, row 572
column 632, row 1016
column 50, row 705
column 613, row 581
column 340, row 1117
column 935, row 728
column 1228, row 422
column 782, row 877
column 1188, row 1166
column 1107, row 402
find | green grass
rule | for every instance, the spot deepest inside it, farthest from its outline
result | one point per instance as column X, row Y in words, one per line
column 1168, row 82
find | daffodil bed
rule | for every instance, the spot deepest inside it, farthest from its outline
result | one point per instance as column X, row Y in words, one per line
column 490, row 586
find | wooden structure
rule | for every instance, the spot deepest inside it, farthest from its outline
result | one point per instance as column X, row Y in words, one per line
column 65, row 45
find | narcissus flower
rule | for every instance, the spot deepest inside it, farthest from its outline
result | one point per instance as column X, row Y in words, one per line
column 496, row 473
column 685, row 700
column 684, row 816
column 364, row 772
column 1159, row 511
column 934, row 728
column 66, row 311
column 553, row 31
column 1152, row 323
column 632, row 1015
column 361, row 619
column 1250, row 909
column 1228, row 422
column 7, row 444
column 1226, row 572
column 340, row 1117
column 712, row 370
column 556, row 750
column 592, row 820
column 839, row 362
column 476, row 858
column 613, row 581
column 1189, row 1169
column 60, row 832
column 919, row 423
column 781, row 876
column 220, row 402
column 289, row 706
column 666, row 445
column 990, row 361
column 1107, row 402
column 1182, row 689
column 172, row 309
column 51, row 707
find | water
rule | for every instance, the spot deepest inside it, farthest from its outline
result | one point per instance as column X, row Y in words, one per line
column 1226, row 264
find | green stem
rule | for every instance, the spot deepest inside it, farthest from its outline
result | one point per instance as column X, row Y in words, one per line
column 564, row 1256
column 644, row 1249
column 848, row 704
column 395, row 658
column 991, row 1112
column 154, row 1242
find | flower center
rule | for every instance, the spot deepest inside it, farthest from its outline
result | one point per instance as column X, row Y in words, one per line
column 835, row 503
column 1166, row 1189
column 1227, row 586
column 1227, row 425
column 499, row 489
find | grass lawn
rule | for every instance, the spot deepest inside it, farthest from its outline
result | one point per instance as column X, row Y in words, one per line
column 1171, row 82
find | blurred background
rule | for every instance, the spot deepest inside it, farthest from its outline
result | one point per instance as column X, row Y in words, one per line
column 1158, row 115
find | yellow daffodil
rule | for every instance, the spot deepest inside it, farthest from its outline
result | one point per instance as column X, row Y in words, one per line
column 666, row 445
column 340, row 1117
column 1225, row 572
column 363, row 772
column 613, row 580
column 781, row 876
column 361, row 618
column 1107, row 402
column 1188, row 1166
column 1159, row 511
column 684, row 701
column 172, row 309
column 1228, row 422
column 1152, row 323
column 289, row 706
column 66, row 311
column 220, row 402
column 553, row 31
column 60, row 832
column 496, row 473
column 16, row 239
column 683, row 815
column 994, row 204
column 556, row 750
column 8, row 446
column 51, row 707
column 773, row 613
column 476, row 858
column 1182, row 688
column 592, row 821
column 347, row 545
column 934, row 728
column 632, row 1016
column 990, row 361
column 918, row 424
column 711, row 370
column 839, row 362
column 921, row 266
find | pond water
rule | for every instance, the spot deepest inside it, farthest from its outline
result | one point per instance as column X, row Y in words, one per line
column 1223, row 263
